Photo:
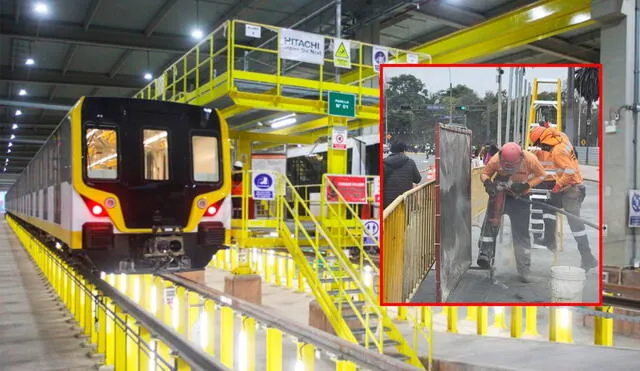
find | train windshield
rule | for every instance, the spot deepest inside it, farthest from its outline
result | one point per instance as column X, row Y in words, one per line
column 156, row 155
column 205, row 159
column 102, row 153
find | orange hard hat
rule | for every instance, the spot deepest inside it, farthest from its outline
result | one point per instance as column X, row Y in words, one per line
column 543, row 135
column 510, row 156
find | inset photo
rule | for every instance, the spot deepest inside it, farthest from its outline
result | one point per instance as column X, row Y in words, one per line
column 491, row 185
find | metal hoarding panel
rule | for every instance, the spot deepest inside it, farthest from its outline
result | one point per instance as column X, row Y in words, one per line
column 453, row 207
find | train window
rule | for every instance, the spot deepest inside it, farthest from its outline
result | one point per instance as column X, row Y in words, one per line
column 205, row 159
column 156, row 154
column 102, row 153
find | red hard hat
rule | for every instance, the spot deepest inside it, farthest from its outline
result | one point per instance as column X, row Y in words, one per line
column 510, row 156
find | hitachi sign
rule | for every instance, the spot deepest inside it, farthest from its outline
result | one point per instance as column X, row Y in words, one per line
column 299, row 43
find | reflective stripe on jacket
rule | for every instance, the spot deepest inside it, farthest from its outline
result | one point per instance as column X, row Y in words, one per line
column 567, row 166
column 531, row 170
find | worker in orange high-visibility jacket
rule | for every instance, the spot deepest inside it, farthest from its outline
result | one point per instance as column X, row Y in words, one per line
column 568, row 192
column 543, row 220
column 518, row 171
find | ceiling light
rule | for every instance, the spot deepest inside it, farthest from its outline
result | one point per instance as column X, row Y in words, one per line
column 18, row 113
column 30, row 62
column 22, row 92
column 283, row 123
column 14, row 126
column 196, row 34
column 5, row 170
column 9, row 150
column 41, row 8
column 148, row 76
column 13, row 136
column 10, row 144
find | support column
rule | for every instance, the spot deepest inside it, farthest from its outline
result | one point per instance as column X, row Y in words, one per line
column 617, row 57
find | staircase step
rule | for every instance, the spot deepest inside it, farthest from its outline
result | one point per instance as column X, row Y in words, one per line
column 330, row 280
column 385, row 343
column 398, row 356
column 351, row 317
column 345, row 304
column 348, row 292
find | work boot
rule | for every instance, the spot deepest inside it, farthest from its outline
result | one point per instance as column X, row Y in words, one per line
column 588, row 262
column 528, row 278
column 484, row 260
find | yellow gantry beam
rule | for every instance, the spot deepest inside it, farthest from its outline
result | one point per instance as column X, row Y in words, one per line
column 537, row 21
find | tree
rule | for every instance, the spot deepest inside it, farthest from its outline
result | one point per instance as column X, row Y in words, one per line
column 587, row 82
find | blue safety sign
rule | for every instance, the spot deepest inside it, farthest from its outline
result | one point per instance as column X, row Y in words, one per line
column 263, row 187
column 371, row 232
column 634, row 208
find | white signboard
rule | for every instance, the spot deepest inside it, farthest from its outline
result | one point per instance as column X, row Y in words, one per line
column 342, row 53
column 412, row 58
column 160, row 84
column 339, row 137
column 273, row 163
column 252, row 31
column 634, row 208
column 373, row 226
column 380, row 56
column 169, row 295
column 376, row 190
column 301, row 46
column 263, row 186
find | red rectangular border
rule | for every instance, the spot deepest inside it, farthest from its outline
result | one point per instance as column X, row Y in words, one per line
column 600, row 186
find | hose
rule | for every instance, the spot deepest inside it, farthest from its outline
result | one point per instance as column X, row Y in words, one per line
column 561, row 211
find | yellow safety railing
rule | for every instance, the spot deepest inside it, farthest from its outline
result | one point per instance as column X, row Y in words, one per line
column 251, row 70
column 344, row 226
column 122, row 338
column 409, row 237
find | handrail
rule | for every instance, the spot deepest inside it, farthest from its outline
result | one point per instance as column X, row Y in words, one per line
column 389, row 209
column 342, row 348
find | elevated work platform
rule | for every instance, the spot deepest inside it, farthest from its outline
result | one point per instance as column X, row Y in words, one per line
column 246, row 71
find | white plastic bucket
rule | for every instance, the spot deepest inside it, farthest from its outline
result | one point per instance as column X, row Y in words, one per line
column 567, row 284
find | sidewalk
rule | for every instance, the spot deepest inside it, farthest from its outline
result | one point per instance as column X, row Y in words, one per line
column 591, row 173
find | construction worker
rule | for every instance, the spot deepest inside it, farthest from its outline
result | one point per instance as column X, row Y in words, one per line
column 568, row 192
column 236, row 189
column 516, row 172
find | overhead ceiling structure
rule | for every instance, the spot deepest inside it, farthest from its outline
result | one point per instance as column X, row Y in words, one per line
column 56, row 51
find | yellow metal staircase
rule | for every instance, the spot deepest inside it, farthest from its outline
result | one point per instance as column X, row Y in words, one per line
column 338, row 284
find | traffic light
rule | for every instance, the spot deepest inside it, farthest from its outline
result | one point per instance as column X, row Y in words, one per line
column 461, row 108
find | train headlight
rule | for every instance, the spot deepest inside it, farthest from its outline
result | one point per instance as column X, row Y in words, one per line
column 97, row 210
column 110, row 203
column 213, row 209
column 202, row 203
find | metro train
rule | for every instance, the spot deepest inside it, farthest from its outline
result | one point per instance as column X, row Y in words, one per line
column 130, row 185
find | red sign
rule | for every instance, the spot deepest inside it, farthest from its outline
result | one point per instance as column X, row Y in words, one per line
column 353, row 189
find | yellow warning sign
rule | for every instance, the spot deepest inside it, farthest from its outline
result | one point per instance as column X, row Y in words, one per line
column 342, row 53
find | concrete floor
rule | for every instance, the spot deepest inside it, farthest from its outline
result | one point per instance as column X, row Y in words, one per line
column 35, row 333
column 493, row 352
column 475, row 286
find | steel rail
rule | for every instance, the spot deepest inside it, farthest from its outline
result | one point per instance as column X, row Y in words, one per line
column 343, row 349
column 196, row 358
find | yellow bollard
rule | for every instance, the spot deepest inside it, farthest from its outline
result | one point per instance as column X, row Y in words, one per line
column 483, row 320
column 516, row 322
column 132, row 356
column 452, row 319
column 247, row 359
column 472, row 314
column 145, row 349
column 603, row 328
column 101, row 336
column 290, row 272
column 226, row 336
column 180, row 364
column 531, row 321
column 274, row 349
column 266, row 269
column 278, row 269
column 193, row 313
column 499, row 321
column 79, row 295
column 109, row 356
column 179, row 307
column 425, row 316
column 207, row 327
column 560, row 325
column 345, row 366
column 120, row 339
column 306, row 357
column 300, row 281
column 402, row 314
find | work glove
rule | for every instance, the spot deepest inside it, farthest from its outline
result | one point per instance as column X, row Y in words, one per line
column 556, row 188
column 519, row 188
column 490, row 188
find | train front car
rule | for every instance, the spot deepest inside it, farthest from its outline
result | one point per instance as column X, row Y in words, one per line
column 153, row 179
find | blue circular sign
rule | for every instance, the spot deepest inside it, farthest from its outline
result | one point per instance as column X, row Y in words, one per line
column 372, row 227
column 635, row 202
column 263, row 181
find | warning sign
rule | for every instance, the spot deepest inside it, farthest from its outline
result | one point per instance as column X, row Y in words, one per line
column 342, row 53
column 339, row 137
column 371, row 232
column 352, row 188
